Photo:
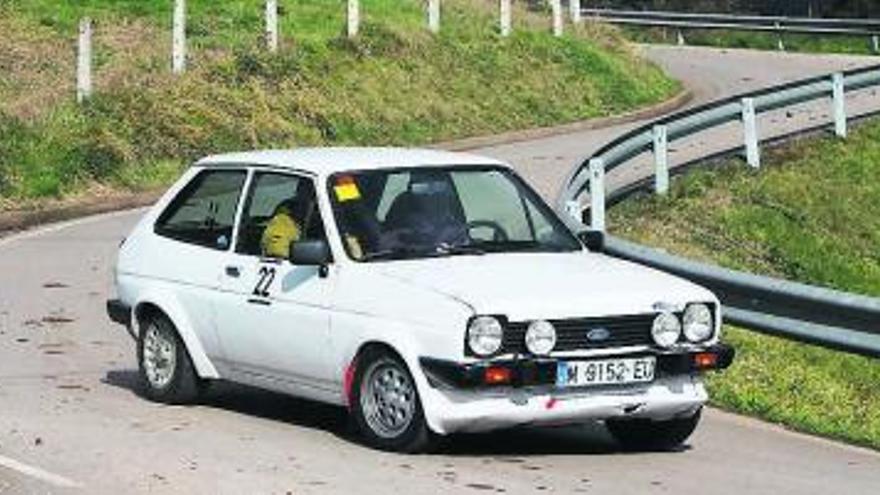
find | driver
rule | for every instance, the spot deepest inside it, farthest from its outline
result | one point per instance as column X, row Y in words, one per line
column 427, row 214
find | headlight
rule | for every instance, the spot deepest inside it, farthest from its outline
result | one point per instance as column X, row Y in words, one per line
column 666, row 329
column 484, row 335
column 698, row 323
column 540, row 338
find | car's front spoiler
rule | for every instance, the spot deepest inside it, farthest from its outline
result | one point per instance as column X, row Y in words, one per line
column 530, row 372
column 120, row 313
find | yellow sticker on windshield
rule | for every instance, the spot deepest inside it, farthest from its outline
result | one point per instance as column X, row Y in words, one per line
column 346, row 189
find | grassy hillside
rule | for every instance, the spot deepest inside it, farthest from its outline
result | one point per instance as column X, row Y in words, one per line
column 812, row 215
column 394, row 84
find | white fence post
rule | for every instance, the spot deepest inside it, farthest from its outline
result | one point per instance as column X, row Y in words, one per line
column 434, row 16
column 661, row 159
column 838, row 91
column 556, row 7
column 575, row 11
column 780, row 43
column 84, row 61
column 272, row 25
column 178, row 38
column 875, row 43
column 505, row 13
column 680, row 38
column 354, row 17
column 597, row 194
column 750, row 131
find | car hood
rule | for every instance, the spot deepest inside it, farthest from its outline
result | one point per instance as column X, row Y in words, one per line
column 526, row 286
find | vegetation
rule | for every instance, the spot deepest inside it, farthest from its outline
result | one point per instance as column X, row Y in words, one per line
column 811, row 214
column 807, row 43
column 394, row 84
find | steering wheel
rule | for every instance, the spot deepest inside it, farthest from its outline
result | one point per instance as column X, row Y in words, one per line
column 498, row 232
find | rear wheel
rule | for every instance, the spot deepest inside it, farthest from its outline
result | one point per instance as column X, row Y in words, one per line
column 648, row 435
column 166, row 371
column 386, row 406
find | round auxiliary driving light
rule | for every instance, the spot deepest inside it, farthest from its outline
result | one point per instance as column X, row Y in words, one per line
column 484, row 335
column 540, row 338
column 697, row 323
column 666, row 329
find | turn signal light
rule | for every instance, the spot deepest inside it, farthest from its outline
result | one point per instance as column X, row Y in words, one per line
column 705, row 360
column 497, row 375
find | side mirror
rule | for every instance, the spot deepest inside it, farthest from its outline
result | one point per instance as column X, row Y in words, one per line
column 310, row 253
column 593, row 239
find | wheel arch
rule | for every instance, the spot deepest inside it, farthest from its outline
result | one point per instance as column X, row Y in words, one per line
column 174, row 313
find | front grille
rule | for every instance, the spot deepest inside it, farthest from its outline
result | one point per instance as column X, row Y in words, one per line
column 571, row 334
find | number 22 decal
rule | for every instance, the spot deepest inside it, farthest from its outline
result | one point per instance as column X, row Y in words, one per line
column 267, row 276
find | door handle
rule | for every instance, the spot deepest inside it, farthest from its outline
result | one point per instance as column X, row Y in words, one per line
column 233, row 271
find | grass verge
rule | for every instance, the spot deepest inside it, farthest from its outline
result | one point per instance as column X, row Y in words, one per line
column 722, row 38
column 811, row 214
column 395, row 84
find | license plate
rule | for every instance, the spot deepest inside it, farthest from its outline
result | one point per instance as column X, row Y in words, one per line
column 605, row 372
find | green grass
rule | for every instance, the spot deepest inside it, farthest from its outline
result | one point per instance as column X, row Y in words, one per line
column 395, row 84
column 812, row 214
column 805, row 43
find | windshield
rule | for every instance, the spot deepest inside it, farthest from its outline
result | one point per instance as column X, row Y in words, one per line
column 428, row 212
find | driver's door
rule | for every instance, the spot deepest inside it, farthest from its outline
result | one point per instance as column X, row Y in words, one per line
column 273, row 318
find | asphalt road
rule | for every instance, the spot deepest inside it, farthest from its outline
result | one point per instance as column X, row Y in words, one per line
column 71, row 421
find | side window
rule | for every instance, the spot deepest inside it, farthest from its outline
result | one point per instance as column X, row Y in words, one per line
column 281, row 209
column 203, row 212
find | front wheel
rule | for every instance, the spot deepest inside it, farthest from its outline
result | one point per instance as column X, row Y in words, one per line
column 648, row 435
column 386, row 406
column 166, row 371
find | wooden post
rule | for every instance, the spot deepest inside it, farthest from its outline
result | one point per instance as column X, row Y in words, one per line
column 661, row 159
column 434, row 16
column 838, row 91
column 750, row 131
column 84, row 61
column 575, row 11
column 272, row 25
column 505, row 21
column 354, row 18
column 556, row 7
column 178, row 38
column 597, row 194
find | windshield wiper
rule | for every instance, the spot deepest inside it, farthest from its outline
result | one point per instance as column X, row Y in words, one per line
column 400, row 253
column 460, row 250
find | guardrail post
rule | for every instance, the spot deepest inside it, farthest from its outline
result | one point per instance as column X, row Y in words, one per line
column 505, row 14
column 680, row 38
column 575, row 10
column 838, row 91
column 875, row 43
column 597, row 194
column 434, row 16
column 354, row 18
column 84, row 61
column 750, row 131
column 272, row 25
column 780, row 43
column 661, row 160
column 556, row 7
column 178, row 38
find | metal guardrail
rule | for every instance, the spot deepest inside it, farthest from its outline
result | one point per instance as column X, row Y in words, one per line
column 760, row 24
column 796, row 311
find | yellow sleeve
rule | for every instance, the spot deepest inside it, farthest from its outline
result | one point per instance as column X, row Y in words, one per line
column 279, row 234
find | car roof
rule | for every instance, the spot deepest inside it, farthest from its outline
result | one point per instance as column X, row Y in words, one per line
column 327, row 161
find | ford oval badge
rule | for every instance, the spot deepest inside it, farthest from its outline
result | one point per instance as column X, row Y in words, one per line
column 598, row 334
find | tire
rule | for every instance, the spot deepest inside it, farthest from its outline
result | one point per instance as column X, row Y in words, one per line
column 647, row 435
column 386, row 408
column 165, row 368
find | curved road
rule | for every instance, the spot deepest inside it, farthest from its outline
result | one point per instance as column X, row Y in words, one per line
column 70, row 421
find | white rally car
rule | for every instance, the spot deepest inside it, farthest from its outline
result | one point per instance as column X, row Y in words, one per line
column 429, row 292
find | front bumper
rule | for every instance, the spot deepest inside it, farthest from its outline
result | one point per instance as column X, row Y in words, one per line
column 120, row 313
column 457, row 400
